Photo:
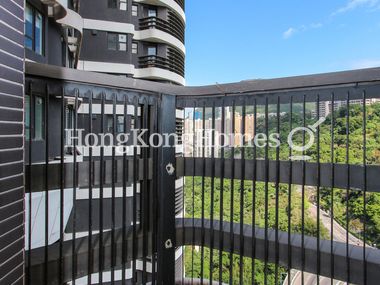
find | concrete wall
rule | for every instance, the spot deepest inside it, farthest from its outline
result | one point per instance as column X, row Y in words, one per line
column 11, row 142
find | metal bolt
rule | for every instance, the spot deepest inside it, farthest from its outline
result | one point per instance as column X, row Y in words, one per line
column 168, row 244
column 170, row 169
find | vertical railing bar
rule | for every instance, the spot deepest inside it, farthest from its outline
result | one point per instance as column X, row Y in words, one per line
column 135, row 173
column 167, row 239
column 155, row 197
column 266, row 215
column 203, row 189
column 277, row 189
column 290, row 196
column 73, row 260
column 62, row 189
column 242, row 185
column 221, row 213
column 254, row 180
column 125, row 177
column 183, row 257
column 113, row 213
column 348, row 186
column 90, row 179
column 232, row 196
column 101, row 188
column 193, row 197
column 332, row 150
column 318, row 194
column 364, row 186
column 46, row 256
column 144, row 197
column 212, row 192
column 303, row 194
column 29, row 272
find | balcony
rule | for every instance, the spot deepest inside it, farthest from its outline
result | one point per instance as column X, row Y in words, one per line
column 176, row 6
column 181, row 3
column 229, row 214
column 171, row 27
column 171, row 63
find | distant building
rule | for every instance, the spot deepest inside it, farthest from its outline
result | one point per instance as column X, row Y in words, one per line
column 325, row 107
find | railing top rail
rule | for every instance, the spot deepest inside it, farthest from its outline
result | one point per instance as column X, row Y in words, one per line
column 333, row 79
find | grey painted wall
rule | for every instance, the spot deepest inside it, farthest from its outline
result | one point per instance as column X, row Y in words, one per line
column 98, row 39
column 11, row 142
column 98, row 9
column 94, row 48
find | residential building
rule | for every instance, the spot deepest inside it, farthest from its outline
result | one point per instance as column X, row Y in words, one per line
column 141, row 39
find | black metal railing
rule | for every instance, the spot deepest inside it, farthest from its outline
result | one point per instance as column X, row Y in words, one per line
column 236, row 213
column 91, row 212
column 170, row 63
column 171, row 27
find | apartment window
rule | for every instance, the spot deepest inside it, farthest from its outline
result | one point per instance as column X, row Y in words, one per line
column 120, row 124
column 123, row 5
column 135, row 48
column 34, row 118
column 135, row 10
column 34, row 29
column 152, row 12
column 117, row 42
column 27, row 117
column 152, row 50
column 112, row 4
column 109, row 127
column 118, row 4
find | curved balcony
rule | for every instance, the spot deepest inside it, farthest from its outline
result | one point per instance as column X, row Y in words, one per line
column 75, row 21
column 153, row 70
column 172, row 64
column 181, row 3
column 174, row 5
column 170, row 27
column 58, row 8
column 175, row 21
column 156, row 67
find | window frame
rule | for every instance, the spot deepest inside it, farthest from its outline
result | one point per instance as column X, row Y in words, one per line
column 112, row 4
column 135, row 13
column 118, row 42
column 30, row 118
column 116, row 4
column 152, row 47
column 35, row 13
column 151, row 9
column 135, row 47
column 123, row 2
column 120, row 122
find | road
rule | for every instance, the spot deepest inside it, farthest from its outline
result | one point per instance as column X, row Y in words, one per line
column 338, row 231
column 309, row 279
column 339, row 234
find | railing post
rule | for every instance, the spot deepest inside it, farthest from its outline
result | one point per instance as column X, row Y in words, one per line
column 166, row 241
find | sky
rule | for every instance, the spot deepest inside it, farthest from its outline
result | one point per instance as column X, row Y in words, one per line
column 234, row 40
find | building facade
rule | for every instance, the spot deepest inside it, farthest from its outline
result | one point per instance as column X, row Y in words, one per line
column 141, row 39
